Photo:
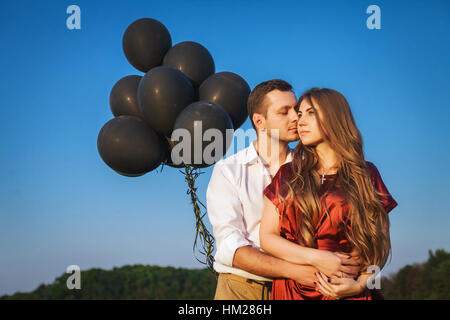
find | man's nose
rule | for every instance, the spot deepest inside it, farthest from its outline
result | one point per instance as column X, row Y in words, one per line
column 294, row 116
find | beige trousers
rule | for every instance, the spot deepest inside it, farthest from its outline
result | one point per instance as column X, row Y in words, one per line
column 233, row 287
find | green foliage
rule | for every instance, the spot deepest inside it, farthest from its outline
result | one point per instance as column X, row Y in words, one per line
column 130, row 282
column 429, row 280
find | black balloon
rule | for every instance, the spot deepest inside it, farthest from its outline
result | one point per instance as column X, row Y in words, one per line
column 211, row 116
column 162, row 93
column 130, row 175
column 167, row 160
column 129, row 146
column 191, row 58
column 123, row 97
column 145, row 42
column 230, row 91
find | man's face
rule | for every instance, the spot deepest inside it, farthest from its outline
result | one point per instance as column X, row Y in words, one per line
column 281, row 114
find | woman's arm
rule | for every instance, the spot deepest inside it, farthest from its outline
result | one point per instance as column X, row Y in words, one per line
column 270, row 240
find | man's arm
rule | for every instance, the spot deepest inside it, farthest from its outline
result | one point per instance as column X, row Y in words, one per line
column 254, row 261
column 233, row 248
column 226, row 215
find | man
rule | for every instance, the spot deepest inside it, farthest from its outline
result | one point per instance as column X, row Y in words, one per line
column 235, row 199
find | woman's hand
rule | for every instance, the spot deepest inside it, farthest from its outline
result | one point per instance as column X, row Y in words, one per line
column 335, row 264
column 337, row 288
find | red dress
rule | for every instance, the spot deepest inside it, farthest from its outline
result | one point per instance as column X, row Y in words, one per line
column 330, row 236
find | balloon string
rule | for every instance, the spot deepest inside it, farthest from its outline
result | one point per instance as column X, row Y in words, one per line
column 201, row 232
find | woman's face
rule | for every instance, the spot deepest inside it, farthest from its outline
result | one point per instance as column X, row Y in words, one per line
column 307, row 125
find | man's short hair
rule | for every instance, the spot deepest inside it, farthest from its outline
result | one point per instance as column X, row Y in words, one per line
column 256, row 103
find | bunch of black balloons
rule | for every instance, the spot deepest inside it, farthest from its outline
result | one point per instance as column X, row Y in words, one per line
column 179, row 87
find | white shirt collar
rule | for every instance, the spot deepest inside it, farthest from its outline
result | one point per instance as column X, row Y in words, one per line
column 252, row 155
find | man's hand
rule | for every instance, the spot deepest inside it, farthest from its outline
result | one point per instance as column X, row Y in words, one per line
column 335, row 264
column 305, row 275
column 355, row 255
column 337, row 288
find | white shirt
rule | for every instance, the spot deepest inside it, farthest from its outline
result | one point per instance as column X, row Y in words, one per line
column 235, row 202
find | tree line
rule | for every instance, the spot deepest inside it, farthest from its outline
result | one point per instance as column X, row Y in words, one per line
column 428, row 280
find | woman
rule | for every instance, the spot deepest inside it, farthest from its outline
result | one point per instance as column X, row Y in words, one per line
column 327, row 200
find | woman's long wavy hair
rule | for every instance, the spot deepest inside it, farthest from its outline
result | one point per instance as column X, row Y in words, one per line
column 367, row 219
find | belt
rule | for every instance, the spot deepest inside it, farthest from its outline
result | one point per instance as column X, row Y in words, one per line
column 266, row 286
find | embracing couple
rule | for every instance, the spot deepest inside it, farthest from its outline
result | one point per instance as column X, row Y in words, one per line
column 307, row 223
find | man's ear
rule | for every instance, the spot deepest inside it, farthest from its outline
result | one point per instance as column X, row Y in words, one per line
column 259, row 121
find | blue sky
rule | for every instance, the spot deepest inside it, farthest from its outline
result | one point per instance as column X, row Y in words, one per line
column 61, row 205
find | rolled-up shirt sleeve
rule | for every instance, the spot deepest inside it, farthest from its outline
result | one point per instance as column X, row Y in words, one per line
column 226, row 215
